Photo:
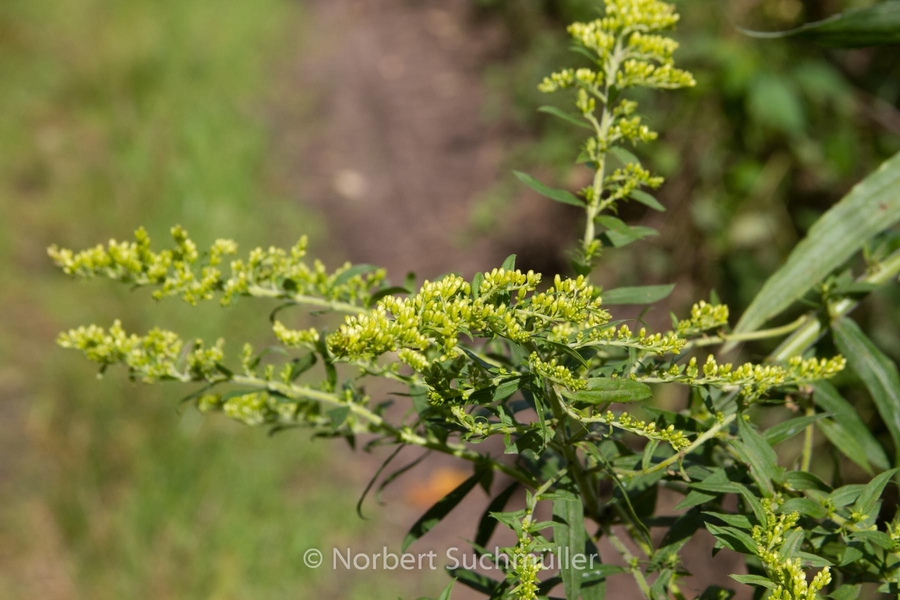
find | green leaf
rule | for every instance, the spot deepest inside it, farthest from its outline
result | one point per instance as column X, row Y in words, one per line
column 759, row 455
column 754, row 580
column 802, row 480
column 870, row 208
column 568, row 118
column 879, row 538
column 739, row 521
column 570, row 539
column 787, row 429
column 302, row 365
column 733, row 538
column 436, row 513
column 488, row 523
column 351, row 273
column 648, row 294
column 549, row 192
column 510, row 263
column 602, row 390
column 846, row 592
column 634, row 234
column 647, row 200
column 694, row 498
column 805, row 506
column 877, row 371
column 846, row 495
column 847, row 431
column 385, row 292
column 624, row 156
column 445, row 595
column 870, row 495
column 855, row 28
column 478, row 582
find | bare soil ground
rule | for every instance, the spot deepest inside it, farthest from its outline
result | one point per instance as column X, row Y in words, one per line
column 394, row 149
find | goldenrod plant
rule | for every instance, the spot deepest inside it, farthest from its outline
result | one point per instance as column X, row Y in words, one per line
column 545, row 367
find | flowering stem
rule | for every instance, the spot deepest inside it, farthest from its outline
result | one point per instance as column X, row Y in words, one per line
column 707, row 435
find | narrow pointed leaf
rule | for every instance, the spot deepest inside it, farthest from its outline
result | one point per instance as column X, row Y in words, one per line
column 647, row 294
column 549, row 192
column 847, row 431
column 570, row 538
column 436, row 513
column 878, row 372
column 870, row 208
column 602, row 390
column 856, row 28
column 572, row 119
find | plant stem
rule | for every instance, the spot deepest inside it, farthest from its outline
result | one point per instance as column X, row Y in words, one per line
column 632, row 562
column 402, row 435
column 263, row 292
column 707, row 435
column 806, row 459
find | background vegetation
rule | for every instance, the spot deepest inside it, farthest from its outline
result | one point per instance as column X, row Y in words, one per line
column 148, row 112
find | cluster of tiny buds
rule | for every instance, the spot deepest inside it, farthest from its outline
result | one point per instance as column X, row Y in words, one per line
column 433, row 319
column 754, row 380
column 183, row 270
column 555, row 372
column 704, row 317
column 669, row 434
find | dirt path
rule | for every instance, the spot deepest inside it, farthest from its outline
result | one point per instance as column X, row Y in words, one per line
column 399, row 149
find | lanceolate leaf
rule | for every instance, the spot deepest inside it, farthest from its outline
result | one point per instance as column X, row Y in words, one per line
column 857, row 28
column 572, row 119
column 436, row 513
column 549, row 192
column 757, row 453
column 847, row 431
column 637, row 295
column 570, row 538
column 877, row 371
column 870, row 208
column 601, row 390
column 488, row 523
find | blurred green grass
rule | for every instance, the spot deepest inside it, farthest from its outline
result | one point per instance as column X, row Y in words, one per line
column 112, row 115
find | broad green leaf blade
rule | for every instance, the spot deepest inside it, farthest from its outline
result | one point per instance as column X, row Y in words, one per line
column 601, row 390
column 570, row 539
column 436, row 513
column 648, row 294
column 870, row 208
column 573, row 119
column 847, row 431
column 878, row 372
column 856, row 28
column 549, row 192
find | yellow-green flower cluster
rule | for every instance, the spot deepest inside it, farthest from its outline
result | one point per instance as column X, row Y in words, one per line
column 753, row 380
column 255, row 408
column 787, row 574
column 629, row 178
column 639, row 73
column 670, row 435
column 555, row 372
column 704, row 317
column 433, row 319
column 293, row 337
column 183, row 271
column 623, row 337
column 152, row 357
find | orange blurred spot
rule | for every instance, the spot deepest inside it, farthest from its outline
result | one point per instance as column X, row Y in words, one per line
column 424, row 494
